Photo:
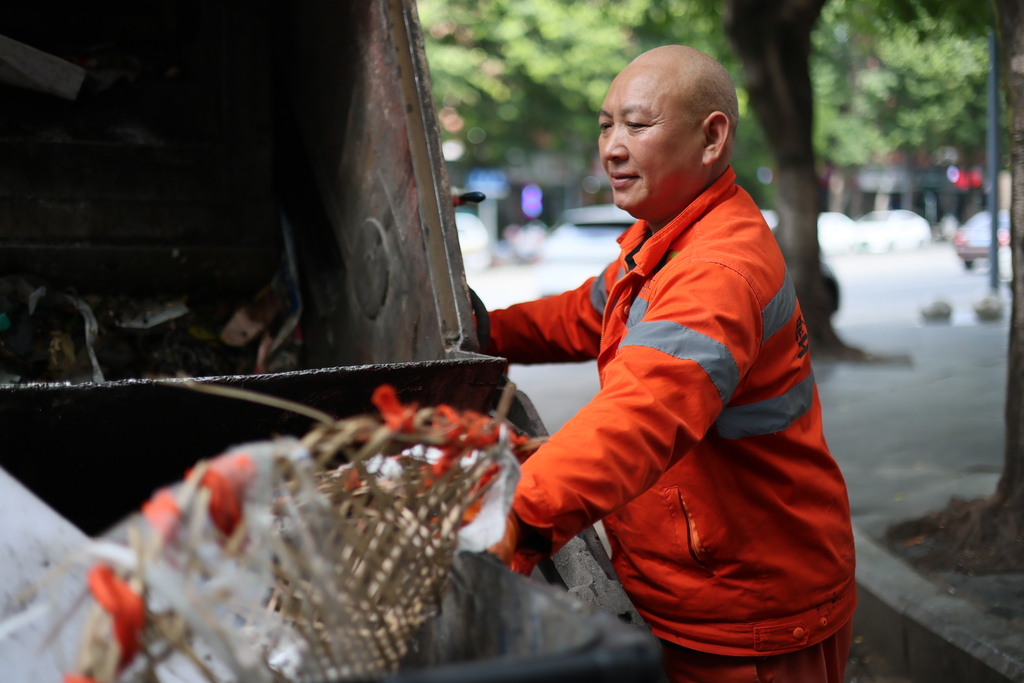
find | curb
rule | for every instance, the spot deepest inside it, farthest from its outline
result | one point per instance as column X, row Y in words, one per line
column 925, row 632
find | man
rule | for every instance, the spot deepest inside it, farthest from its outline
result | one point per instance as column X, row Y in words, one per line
column 703, row 451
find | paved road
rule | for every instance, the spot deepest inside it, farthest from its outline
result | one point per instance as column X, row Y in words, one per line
column 910, row 436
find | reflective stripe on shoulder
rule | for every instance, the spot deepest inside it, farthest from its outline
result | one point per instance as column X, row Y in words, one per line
column 779, row 310
column 688, row 344
column 599, row 294
column 636, row 312
column 768, row 416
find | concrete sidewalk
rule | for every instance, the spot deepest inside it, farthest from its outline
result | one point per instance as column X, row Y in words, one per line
column 908, row 437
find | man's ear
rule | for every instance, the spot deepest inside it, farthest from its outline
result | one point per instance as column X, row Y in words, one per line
column 716, row 137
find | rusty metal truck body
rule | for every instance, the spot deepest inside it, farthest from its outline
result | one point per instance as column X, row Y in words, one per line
column 208, row 137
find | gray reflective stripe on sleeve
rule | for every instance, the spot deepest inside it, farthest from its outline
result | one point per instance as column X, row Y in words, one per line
column 779, row 310
column 768, row 416
column 599, row 294
column 636, row 312
column 687, row 344
column 620, row 273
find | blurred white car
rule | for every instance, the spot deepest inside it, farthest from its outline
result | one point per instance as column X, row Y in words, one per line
column 837, row 233
column 827, row 274
column 474, row 242
column 581, row 245
column 881, row 231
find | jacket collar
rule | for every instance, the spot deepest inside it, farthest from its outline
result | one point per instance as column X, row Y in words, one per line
column 654, row 249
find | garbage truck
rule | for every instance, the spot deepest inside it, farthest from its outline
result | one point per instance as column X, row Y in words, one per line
column 248, row 193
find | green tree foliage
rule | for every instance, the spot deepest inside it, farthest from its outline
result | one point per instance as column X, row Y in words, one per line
column 888, row 80
column 532, row 74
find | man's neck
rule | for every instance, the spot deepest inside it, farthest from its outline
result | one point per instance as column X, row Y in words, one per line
column 716, row 172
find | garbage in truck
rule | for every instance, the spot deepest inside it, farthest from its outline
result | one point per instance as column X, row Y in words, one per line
column 298, row 559
column 57, row 335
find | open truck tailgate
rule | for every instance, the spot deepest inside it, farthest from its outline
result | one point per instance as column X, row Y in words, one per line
column 201, row 129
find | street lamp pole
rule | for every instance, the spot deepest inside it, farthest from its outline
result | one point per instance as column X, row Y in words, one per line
column 993, row 159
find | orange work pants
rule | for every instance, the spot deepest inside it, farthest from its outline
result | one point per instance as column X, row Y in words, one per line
column 824, row 662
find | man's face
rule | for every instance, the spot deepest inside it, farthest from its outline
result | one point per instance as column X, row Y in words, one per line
column 651, row 148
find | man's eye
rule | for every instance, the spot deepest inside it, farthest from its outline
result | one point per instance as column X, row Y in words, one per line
column 636, row 126
column 605, row 126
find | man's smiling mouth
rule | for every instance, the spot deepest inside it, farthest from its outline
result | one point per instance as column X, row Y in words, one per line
column 620, row 180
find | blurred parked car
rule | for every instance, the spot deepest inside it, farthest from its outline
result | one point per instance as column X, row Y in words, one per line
column 526, row 241
column 972, row 239
column 827, row 274
column 583, row 243
column 881, row 231
column 837, row 233
column 474, row 242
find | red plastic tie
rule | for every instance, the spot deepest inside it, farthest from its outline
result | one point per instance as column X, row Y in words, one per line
column 125, row 607
column 75, row 678
column 227, row 478
column 225, row 505
column 162, row 513
column 397, row 417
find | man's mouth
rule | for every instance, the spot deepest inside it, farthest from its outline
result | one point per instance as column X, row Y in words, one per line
column 621, row 180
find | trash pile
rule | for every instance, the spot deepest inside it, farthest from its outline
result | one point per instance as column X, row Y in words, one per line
column 49, row 335
column 289, row 560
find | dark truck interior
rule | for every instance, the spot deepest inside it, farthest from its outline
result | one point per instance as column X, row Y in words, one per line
column 271, row 164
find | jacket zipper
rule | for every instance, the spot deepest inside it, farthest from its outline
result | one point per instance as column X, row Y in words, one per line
column 693, row 543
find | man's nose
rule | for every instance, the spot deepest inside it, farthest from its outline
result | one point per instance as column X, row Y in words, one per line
column 612, row 147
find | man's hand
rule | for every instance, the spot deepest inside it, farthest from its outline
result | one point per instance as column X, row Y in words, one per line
column 505, row 549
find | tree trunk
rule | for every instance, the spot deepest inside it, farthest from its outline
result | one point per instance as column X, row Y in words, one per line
column 773, row 40
column 1010, row 34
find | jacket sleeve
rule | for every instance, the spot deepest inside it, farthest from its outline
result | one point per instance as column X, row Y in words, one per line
column 556, row 329
column 671, row 376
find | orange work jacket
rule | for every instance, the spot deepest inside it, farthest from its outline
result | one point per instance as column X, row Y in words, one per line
column 703, row 451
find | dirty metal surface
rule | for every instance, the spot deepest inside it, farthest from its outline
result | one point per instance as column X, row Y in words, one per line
column 495, row 626
column 95, row 452
column 99, row 192
column 171, row 184
column 587, row 573
column 354, row 76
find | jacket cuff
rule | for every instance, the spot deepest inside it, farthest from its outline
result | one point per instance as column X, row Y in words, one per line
column 531, row 507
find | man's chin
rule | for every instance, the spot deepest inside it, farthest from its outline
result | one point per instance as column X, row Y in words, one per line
column 627, row 206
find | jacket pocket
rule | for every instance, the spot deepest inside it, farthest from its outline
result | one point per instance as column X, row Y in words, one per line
column 686, row 529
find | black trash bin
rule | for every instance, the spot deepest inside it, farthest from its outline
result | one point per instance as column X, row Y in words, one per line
column 95, row 453
column 499, row 627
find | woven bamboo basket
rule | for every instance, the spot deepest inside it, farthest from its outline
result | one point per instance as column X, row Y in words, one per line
column 308, row 559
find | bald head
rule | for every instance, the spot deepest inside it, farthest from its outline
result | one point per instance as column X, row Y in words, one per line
column 667, row 131
column 698, row 83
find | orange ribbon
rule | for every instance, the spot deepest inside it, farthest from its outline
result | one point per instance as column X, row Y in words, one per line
column 227, row 477
column 397, row 417
column 162, row 513
column 125, row 607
